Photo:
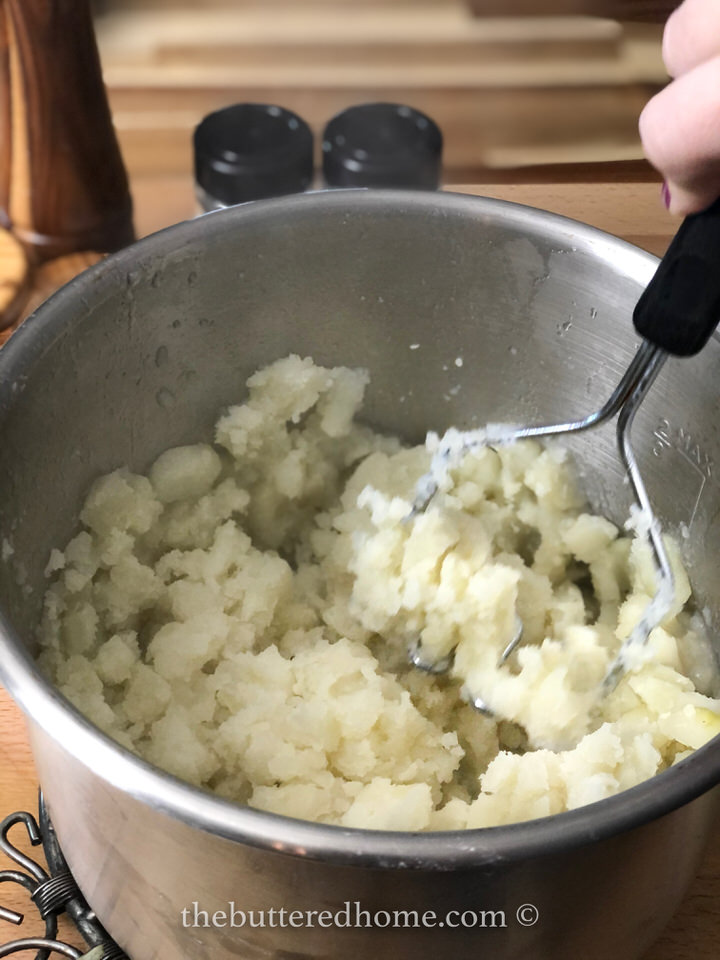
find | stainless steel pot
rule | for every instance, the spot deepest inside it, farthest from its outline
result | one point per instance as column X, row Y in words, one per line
column 139, row 354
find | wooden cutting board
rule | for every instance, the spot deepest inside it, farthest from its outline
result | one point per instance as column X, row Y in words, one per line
column 632, row 211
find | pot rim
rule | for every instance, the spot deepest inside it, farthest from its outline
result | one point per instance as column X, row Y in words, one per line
column 447, row 850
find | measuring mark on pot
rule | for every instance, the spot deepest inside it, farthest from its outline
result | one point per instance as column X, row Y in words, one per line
column 679, row 439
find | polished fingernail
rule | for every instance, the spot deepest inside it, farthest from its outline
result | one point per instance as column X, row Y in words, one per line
column 666, row 198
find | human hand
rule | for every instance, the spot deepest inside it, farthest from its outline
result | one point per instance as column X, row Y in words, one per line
column 680, row 127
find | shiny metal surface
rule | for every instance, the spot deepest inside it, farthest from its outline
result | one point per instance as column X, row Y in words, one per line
column 662, row 601
column 140, row 354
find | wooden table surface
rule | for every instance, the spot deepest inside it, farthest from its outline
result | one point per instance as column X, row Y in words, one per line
column 630, row 210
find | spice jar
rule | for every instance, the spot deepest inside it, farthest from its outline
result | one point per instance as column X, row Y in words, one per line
column 250, row 151
column 382, row 145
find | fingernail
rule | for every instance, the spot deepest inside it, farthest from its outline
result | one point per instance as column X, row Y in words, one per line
column 665, row 194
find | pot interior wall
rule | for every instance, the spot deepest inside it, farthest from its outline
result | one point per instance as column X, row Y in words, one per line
column 464, row 311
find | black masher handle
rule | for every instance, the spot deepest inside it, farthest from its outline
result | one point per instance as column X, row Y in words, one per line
column 680, row 308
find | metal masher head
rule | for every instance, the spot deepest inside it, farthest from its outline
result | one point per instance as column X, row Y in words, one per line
column 623, row 403
column 676, row 314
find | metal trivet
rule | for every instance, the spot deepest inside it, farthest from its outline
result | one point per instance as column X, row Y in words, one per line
column 53, row 893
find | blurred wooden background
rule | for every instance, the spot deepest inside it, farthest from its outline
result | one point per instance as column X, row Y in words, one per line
column 509, row 92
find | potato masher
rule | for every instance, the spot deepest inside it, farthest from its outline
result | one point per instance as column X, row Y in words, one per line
column 676, row 314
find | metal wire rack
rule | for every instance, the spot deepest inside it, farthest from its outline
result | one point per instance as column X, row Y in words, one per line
column 53, row 891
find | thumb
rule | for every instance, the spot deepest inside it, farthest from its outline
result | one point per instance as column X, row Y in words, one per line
column 684, row 199
column 681, row 136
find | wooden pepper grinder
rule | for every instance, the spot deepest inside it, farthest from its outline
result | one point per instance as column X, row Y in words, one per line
column 63, row 186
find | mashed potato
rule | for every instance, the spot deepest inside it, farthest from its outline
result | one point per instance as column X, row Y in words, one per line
column 241, row 618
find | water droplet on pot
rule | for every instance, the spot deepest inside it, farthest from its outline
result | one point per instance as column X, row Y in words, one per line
column 187, row 376
column 165, row 398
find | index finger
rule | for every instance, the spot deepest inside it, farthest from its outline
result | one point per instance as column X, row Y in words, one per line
column 692, row 36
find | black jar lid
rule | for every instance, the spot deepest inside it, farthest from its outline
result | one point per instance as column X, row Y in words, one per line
column 382, row 145
column 253, row 150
